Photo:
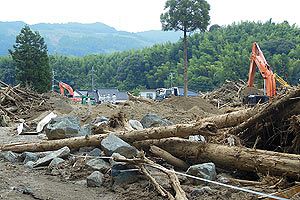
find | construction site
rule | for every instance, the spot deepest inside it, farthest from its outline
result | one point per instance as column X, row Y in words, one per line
column 236, row 142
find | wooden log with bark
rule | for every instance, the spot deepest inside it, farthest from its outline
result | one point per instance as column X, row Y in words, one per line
column 169, row 158
column 180, row 130
column 241, row 158
column 72, row 143
column 231, row 119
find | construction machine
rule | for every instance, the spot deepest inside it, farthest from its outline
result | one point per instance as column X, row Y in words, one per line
column 251, row 96
column 63, row 86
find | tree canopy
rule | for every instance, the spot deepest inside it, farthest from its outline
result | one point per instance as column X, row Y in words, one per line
column 31, row 60
column 187, row 16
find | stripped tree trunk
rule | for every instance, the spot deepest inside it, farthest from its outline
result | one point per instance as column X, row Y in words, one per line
column 245, row 159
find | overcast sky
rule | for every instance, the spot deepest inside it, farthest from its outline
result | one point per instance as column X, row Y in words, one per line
column 142, row 15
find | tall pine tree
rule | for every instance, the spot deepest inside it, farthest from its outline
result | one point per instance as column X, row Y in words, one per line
column 32, row 62
column 186, row 16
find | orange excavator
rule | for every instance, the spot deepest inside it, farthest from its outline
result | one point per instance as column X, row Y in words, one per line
column 63, row 86
column 258, row 60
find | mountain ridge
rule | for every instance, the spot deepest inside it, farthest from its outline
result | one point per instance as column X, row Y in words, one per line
column 79, row 39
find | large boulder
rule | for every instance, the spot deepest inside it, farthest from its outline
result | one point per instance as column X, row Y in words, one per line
column 63, row 127
column 112, row 144
column 153, row 120
column 205, row 170
column 61, row 153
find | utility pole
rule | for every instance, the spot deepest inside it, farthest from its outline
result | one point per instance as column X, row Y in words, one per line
column 52, row 87
column 171, row 79
column 93, row 78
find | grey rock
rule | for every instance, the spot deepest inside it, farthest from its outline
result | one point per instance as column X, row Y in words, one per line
column 29, row 164
column 9, row 156
column 205, row 170
column 95, row 152
column 135, row 124
column 123, row 173
column 63, row 127
column 98, row 164
column 85, row 130
column 112, row 144
column 95, row 179
column 153, row 120
column 55, row 162
column 61, row 153
column 29, row 156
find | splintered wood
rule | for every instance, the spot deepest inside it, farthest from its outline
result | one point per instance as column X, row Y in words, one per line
column 19, row 103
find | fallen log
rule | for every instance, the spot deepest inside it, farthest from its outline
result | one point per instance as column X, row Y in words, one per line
column 245, row 159
column 179, row 130
column 72, row 143
column 230, row 119
column 182, row 130
column 169, row 158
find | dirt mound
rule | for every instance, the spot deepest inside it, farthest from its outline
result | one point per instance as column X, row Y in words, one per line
column 187, row 103
column 176, row 109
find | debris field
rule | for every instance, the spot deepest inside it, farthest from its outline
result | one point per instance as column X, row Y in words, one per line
column 206, row 147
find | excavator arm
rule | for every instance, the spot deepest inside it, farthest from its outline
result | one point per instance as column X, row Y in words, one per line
column 258, row 60
column 63, row 86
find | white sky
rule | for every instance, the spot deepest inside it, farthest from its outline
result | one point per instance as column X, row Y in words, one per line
column 142, row 15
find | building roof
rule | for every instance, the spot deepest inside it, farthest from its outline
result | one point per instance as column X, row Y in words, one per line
column 190, row 93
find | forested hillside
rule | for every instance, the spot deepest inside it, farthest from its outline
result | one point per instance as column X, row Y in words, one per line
column 82, row 39
column 219, row 54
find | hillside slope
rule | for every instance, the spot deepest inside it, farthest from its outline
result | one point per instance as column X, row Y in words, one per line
column 81, row 39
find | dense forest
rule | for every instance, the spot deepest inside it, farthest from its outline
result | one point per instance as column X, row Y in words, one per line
column 214, row 56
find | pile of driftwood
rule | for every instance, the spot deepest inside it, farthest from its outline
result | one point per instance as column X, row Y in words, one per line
column 17, row 102
column 263, row 139
column 226, row 95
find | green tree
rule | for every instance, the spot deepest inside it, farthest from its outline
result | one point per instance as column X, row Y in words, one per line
column 186, row 16
column 32, row 62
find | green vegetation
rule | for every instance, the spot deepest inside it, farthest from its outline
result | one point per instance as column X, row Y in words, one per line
column 219, row 54
column 186, row 16
column 31, row 60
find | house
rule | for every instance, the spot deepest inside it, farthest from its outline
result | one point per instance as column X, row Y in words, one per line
column 104, row 94
column 150, row 94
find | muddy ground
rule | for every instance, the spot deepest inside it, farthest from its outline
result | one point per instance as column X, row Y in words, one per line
column 18, row 182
